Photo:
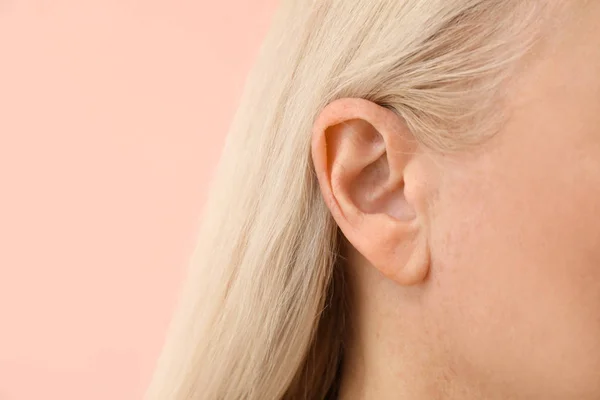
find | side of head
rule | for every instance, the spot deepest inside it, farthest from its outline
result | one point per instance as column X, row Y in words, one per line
column 390, row 190
column 476, row 268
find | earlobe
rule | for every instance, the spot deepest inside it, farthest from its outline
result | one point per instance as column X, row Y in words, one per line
column 401, row 253
column 361, row 152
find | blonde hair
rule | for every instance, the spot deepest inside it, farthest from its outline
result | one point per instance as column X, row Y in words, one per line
column 262, row 313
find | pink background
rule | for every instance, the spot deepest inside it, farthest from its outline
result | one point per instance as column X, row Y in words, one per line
column 112, row 114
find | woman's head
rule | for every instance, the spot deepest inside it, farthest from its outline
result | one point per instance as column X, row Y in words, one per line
column 404, row 206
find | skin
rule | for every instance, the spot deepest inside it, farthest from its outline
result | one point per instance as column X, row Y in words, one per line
column 475, row 275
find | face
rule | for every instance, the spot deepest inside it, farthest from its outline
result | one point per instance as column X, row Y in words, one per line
column 516, row 235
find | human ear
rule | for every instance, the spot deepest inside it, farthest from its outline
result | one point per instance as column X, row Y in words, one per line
column 366, row 162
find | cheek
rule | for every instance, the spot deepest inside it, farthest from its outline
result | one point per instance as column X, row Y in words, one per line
column 516, row 259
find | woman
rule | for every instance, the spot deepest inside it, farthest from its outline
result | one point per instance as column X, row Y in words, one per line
column 405, row 209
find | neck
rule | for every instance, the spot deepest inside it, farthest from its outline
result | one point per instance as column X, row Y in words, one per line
column 392, row 350
column 377, row 367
